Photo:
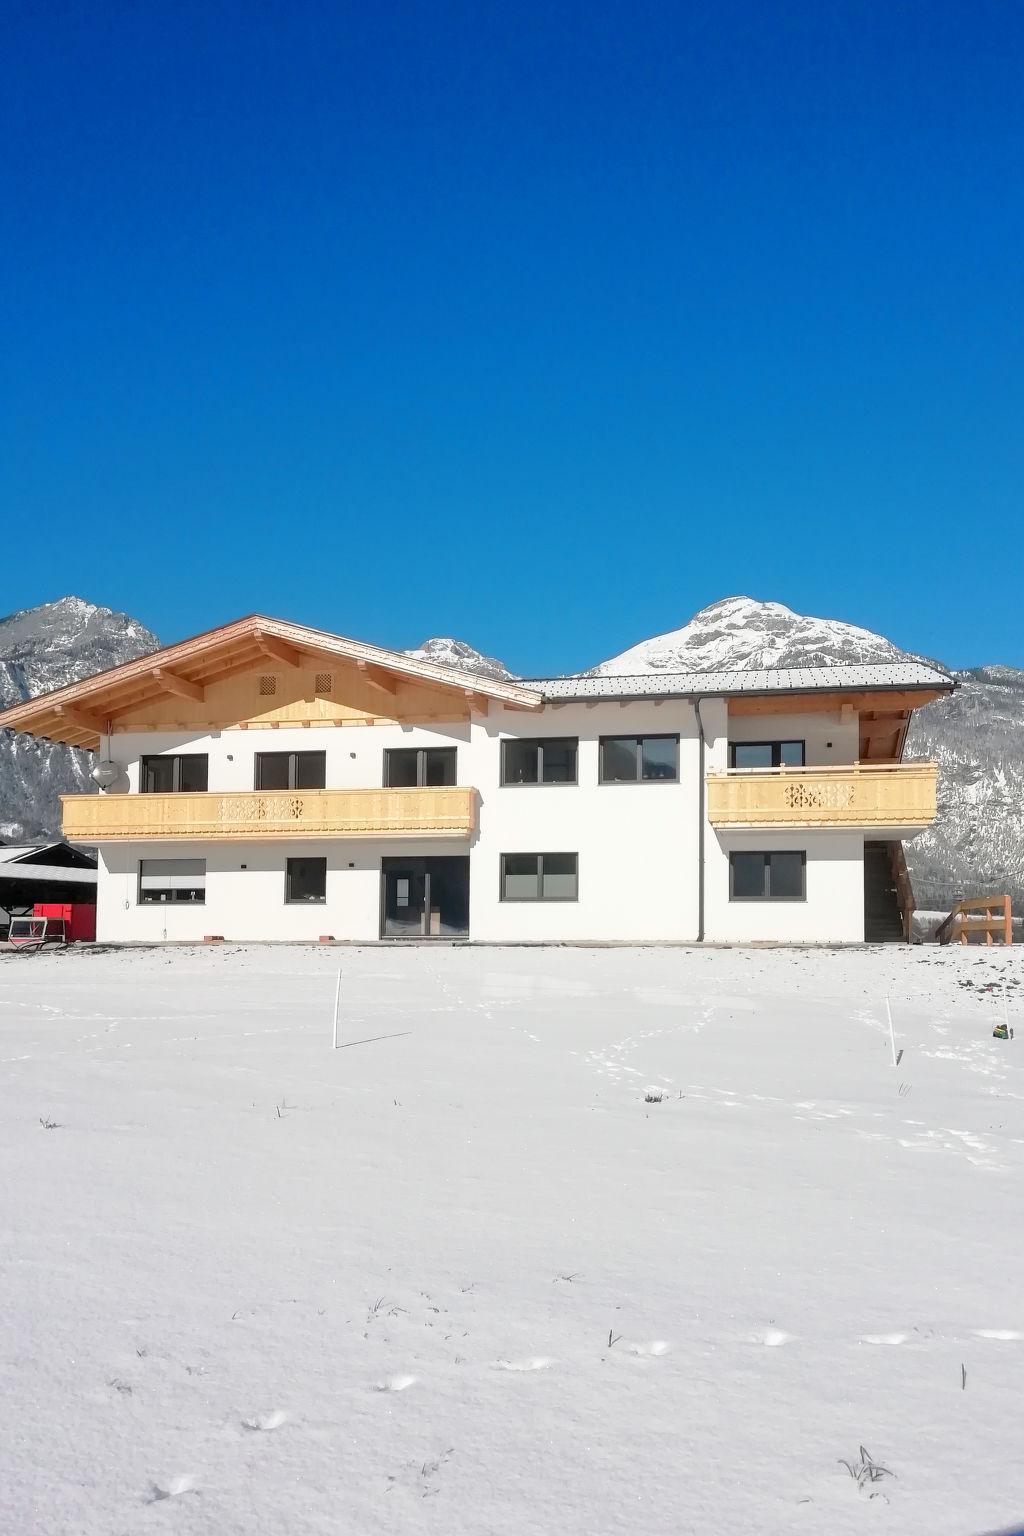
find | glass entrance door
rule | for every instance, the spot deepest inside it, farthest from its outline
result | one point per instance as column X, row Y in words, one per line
column 425, row 898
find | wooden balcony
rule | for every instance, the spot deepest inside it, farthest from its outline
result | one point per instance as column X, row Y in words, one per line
column 259, row 815
column 862, row 795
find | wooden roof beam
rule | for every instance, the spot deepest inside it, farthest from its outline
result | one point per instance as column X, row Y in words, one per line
column 277, row 650
column 386, row 682
column 80, row 719
column 180, row 686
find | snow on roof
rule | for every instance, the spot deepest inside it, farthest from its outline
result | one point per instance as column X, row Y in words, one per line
column 13, row 853
column 47, row 874
column 882, row 675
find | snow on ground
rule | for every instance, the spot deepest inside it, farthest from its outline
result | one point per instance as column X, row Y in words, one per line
column 460, row 1277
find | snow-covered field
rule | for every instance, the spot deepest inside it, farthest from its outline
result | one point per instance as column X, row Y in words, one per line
column 459, row 1277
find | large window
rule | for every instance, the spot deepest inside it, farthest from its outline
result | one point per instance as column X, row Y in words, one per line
column 291, row 770
column 418, row 767
column 174, row 880
column 306, row 880
column 172, row 775
column 539, row 877
column 768, row 876
column 766, row 754
column 639, row 759
column 549, row 760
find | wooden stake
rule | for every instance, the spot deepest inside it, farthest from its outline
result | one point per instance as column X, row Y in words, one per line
column 892, row 1034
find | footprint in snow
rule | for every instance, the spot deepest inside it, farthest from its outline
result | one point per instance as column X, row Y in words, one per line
column 882, row 1338
column 997, row 1333
column 655, row 1347
column 395, row 1383
column 266, row 1421
column 534, row 1363
column 774, row 1337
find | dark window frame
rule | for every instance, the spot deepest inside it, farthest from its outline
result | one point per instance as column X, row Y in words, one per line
column 177, row 758
column 540, row 857
column 421, row 767
column 292, row 757
column 639, row 738
column 170, row 900
column 540, row 782
column 304, row 901
column 766, row 890
column 776, row 745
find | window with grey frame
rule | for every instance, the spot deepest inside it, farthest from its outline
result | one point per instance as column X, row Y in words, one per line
column 174, row 773
column 172, row 880
column 290, row 770
column 766, row 754
column 539, row 877
column 639, row 759
column 539, row 760
column 780, row 875
column 305, row 881
column 419, row 767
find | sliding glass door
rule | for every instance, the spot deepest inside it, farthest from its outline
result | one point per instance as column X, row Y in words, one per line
column 424, row 898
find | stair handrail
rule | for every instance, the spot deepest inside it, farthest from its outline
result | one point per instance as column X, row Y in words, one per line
column 961, row 922
column 904, row 889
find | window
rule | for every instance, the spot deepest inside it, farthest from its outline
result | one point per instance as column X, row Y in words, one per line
column 172, row 880
column 291, row 770
column 306, row 880
column 418, row 767
column 539, row 877
column 639, row 759
column 766, row 754
column 550, row 760
column 174, row 774
column 767, row 876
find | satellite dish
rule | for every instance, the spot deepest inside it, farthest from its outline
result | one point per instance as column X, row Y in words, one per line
column 106, row 773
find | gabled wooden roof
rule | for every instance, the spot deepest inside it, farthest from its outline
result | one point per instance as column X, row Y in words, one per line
column 81, row 712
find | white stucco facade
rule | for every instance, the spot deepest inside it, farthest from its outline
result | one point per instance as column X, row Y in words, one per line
column 637, row 845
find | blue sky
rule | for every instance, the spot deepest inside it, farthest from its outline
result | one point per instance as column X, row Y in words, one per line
column 539, row 325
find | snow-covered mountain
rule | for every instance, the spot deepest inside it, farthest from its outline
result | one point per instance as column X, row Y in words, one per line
column 740, row 632
column 43, row 648
column 977, row 735
column 456, row 653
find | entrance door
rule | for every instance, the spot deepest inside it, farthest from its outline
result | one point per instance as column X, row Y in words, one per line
column 425, row 898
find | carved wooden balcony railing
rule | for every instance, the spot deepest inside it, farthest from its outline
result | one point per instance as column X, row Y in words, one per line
column 262, row 814
column 861, row 795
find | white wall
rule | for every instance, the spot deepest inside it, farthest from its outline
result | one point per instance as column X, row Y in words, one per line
column 829, row 741
column 833, row 911
column 355, row 754
column 249, row 903
column 637, row 844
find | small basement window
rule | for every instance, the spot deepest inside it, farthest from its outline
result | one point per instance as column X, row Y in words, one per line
column 176, row 880
column 306, row 880
column 776, row 876
column 546, row 760
column 766, row 754
column 539, row 877
column 639, row 759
